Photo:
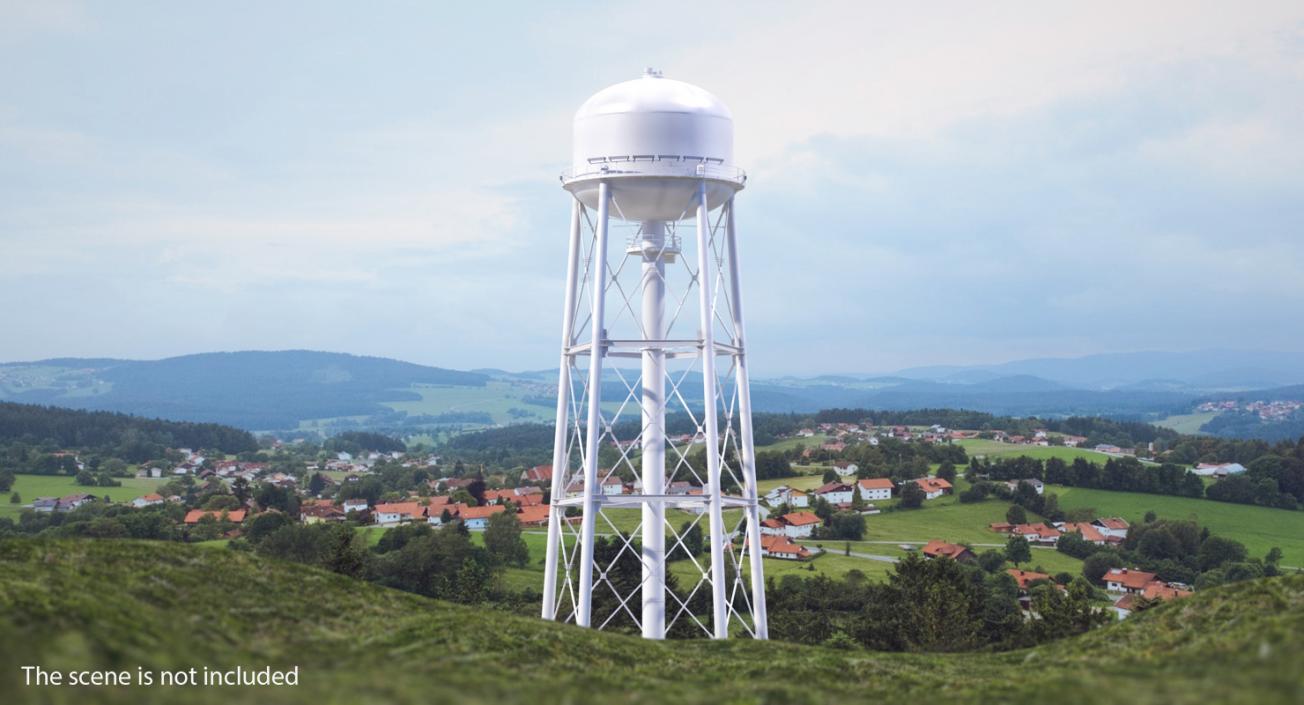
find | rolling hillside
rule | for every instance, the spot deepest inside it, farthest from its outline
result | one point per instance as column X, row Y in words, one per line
column 251, row 390
column 102, row 604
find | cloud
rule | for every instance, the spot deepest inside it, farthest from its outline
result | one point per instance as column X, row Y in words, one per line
column 940, row 184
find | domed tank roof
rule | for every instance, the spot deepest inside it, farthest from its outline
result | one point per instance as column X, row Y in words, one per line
column 653, row 93
column 652, row 139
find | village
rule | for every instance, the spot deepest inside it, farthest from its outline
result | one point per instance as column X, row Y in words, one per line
column 795, row 523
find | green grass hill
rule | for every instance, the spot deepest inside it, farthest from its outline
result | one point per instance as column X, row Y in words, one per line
column 118, row 604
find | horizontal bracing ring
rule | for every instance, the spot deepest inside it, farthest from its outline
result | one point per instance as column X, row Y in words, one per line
column 676, row 501
column 672, row 348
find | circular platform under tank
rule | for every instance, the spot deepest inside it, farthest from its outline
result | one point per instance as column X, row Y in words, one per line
column 653, row 140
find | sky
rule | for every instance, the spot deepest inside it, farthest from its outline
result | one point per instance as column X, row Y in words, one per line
column 952, row 184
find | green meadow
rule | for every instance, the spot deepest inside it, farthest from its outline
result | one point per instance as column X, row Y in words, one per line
column 29, row 487
column 1259, row 528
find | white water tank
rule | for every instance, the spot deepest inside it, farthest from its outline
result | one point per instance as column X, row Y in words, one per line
column 653, row 139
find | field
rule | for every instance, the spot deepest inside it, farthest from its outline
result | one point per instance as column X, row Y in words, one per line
column 167, row 606
column 1188, row 423
column 993, row 449
column 1258, row 528
column 814, row 441
column 503, row 401
column 32, row 486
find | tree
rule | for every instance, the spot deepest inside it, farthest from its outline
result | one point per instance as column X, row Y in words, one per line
column 846, row 525
column 1017, row 550
column 946, row 471
column 502, row 538
column 316, row 484
column 912, row 496
column 991, row 561
column 6, row 480
column 1016, row 515
column 262, row 526
column 15, row 498
column 690, row 543
column 1064, row 612
column 1099, row 563
column 218, row 502
column 1216, row 551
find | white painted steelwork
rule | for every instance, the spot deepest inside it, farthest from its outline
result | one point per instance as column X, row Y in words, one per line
column 654, row 155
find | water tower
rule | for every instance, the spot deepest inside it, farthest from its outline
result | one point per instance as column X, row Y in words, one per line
column 653, row 441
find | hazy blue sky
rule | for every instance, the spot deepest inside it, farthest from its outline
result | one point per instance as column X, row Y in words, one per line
column 971, row 184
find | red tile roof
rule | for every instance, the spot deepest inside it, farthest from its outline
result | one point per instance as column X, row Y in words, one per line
column 1088, row 531
column 411, row 509
column 235, row 515
column 481, row 512
column 801, row 519
column 1024, row 577
column 781, row 544
column 1039, row 530
column 933, row 484
column 938, row 547
column 533, row 515
column 1130, row 579
column 876, row 483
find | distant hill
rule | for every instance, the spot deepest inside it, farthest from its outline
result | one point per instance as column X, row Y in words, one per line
column 251, row 390
column 1208, row 370
column 130, row 437
column 111, row 604
column 333, row 392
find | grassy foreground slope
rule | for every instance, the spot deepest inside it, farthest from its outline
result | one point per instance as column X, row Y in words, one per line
column 119, row 604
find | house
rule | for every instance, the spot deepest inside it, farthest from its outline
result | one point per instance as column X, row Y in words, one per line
column 1025, row 578
column 1074, row 441
column 148, row 500
column 526, row 500
column 772, row 527
column 835, row 493
column 933, row 487
column 777, row 495
column 1112, row 527
column 612, row 485
column 45, row 504
column 844, row 468
column 1154, row 591
column 1126, row 580
column 1034, row 483
column 798, row 498
column 392, row 513
column 235, row 516
column 875, row 488
column 1218, row 469
column 355, row 505
column 477, row 518
column 681, row 487
column 800, row 524
column 539, row 474
column 938, row 548
column 782, row 548
column 534, row 515
column 1038, row 533
column 70, row 502
column 1108, row 448
column 320, row 512
column 1088, row 531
